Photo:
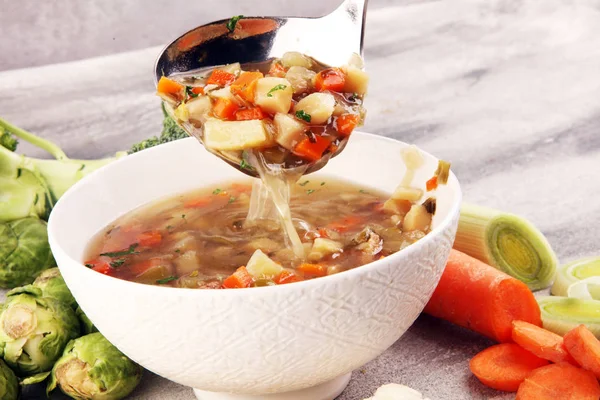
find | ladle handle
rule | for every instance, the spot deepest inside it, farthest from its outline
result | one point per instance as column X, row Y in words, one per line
column 354, row 11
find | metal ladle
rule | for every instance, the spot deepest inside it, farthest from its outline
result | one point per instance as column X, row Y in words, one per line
column 330, row 39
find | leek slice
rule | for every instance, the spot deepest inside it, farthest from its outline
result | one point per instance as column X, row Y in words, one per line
column 561, row 314
column 507, row 242
column 573, row 272
column 588, row 288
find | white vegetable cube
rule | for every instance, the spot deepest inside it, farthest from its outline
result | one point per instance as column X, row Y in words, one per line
column 182, row 113
column 417, row 219
column 407, row 193
column 234, row 68
column 274, row 95
column 323, row 247
column 293, row 58
column 223, row 93
column 300, row 78
column 357, row 80
column 318, row 105
column 235, row 135
column 397, row 206
column 290, row 131
column 261, row 266
column 199, row 108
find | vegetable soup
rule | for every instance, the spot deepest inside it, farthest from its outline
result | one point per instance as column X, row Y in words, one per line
column 203, row 239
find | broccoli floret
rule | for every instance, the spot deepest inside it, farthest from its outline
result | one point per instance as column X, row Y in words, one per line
column 171, row 131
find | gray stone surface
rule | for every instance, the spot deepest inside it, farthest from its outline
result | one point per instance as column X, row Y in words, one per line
column 506, row 89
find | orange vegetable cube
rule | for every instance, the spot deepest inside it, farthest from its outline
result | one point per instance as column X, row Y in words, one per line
column 225, row 109
column 149, row 239
column 332, row 79
column 346, row 123
column 312, row 270
column 169, row 87
column 432, row 184
column 220, row 77
column 312, row 151
column 245, row 85
column 249, row 113
column 239, row 279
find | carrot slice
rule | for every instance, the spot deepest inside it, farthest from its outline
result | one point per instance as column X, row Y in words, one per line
column 99, row 265
column 332, row 79
column 479, row 297
column 312, row 150
column 198, row 90
column 432, row 184
column 220, row 77
column 312, row 270
column 149, row 239
column 239, row 279
column 245, row 85
column 169, row 87
column 277, row 70
column 541, row 342
column 346, row 123
column 249, row 113
column 287, row 277
column 504, row 366
column 583, row 346
column 225, row 108
column 558, row 382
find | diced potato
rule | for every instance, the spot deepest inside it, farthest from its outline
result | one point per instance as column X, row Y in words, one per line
column 261, row 266
column 274, row 95
column 182, row 113
column 318, row 105
column 295, row 59
column 199, row 108
column 397, row 206
column 356, row 61
column 301, row 78
column 417, row 219
column 187, row 263
column 234, row 68
column 290, row 131
column 235, row 135
column 323, row 247
column 412, row 157
column 357, row 80
column 407, row 193
column 223, row 93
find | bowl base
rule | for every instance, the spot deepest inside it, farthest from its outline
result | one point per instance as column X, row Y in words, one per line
column 325, row 391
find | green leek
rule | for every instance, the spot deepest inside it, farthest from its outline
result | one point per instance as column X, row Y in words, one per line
column 574, row 272
column 507, row 242
column 561, row 314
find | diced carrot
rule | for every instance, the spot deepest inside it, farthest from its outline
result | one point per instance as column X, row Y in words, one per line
column 249, row 113
column 169, row 87
column 558, row 382
column 333, row 148
column 312, row 150
column 322, row 232
column 312, row 270
column 198, row 90
column 332, row 79
column 245, row 85
column 149, row 239
column 504, row 366
column 432, row 183
column 287, row 277
column 225, row 108
column 346, row 123
column 220, row 77
column 541, row 342
column 99, row 265
column 277, row 70
column 346, row 224
column 239, row 279
column 479, row 297
column 198, row 202
column 583, row 346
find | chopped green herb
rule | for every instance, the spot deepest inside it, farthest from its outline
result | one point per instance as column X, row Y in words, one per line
column 81, row 168
column 322, row 183
column 310, row 191
column 363, row 191
column 233, row 22
column 130, row 250
column 89, row 265
column 275, row 88
column 303, row 183
column 217, row 191
column 178, row 251
column 244, row 165
column 166, row 280
column 182, row 216
column 231, row 200
column 169, row 227
column 117, row 263
column 303, row 116
column 189, row 91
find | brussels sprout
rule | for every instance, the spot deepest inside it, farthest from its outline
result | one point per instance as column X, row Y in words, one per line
column 53, row 285
column 9, row 385
column 34, row 330
column 24, row 251
column 93, row 369
column 87, row 326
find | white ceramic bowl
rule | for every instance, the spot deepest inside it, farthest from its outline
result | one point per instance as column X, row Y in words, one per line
column 258, row 340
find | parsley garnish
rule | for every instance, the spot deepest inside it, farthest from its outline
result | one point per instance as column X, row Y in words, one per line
column 178, row 251
column 233, row 22
column 182, row 216
column 310, row 191
column 303, row 183
column 190, row 92
column 275, row 88
column 117, row 263
column 217, row 191
column 169, row 227
column 89, row 265
column 231, row 200
column 244, row 164
column 363, row 191
column 303, row 116
column 166, row 280
column 322, row 183
column 130, row 250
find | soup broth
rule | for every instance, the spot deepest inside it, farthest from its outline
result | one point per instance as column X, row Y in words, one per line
column 202, row 239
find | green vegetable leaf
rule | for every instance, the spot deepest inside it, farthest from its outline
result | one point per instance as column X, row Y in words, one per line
column 322, row 183
column 310, row 191
column 121, row 253
column 189, row 92
column 117, row 263
column 275, row 88
column 231, row 24
column 300, row 114
column 7, row 140
column 217, row 191
column 363, row 191
column 244, row 164
column 166, row 280
column 303, row 183
column 231, row 200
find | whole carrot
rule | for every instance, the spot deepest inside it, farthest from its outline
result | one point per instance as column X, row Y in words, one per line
column 479, row 297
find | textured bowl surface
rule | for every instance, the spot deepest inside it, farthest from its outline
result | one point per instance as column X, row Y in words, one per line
column 258, row 340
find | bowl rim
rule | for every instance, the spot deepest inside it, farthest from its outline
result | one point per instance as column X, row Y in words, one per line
column 135, row 286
